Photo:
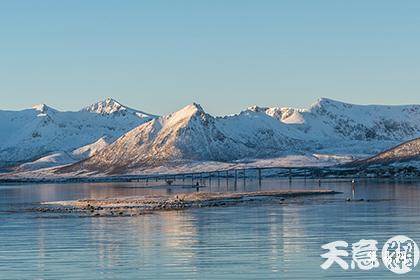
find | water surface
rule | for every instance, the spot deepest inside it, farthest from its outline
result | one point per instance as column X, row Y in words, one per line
column 267, row 241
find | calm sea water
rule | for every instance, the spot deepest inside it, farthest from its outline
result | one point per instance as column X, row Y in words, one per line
column 266, row 241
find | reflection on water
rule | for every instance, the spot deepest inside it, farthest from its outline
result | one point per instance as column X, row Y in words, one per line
column 242, row 242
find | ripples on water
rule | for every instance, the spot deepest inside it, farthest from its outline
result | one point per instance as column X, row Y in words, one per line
column 241, row 242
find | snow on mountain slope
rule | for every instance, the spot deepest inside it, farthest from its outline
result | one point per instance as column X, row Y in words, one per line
column 64, row 158
column 327, row 127
column 343, row 128
column 333, row 120
column 142, row 140
column 91, row 149
column 190, row 135
column 110, row 106
column 262, row 135
column 32, row 133
column 50, row 160
column 408, row 151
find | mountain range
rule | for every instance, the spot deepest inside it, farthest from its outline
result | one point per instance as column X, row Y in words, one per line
column 108, row 137
column 33, row 133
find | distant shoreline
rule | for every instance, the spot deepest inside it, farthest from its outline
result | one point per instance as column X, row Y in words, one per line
column 193, row 177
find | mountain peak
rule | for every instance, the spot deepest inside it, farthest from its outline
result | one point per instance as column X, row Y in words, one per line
column 107, row 106
column 110, row 106
column 327, row 103
column 196, row 107
column 186, row 114
column 42, row 108
column 323, row 101
column 191, row 109
column 256, row 108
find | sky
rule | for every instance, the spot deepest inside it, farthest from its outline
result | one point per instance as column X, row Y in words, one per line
column 158, row 56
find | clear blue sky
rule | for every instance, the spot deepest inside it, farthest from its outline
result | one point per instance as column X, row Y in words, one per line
column 226, row 55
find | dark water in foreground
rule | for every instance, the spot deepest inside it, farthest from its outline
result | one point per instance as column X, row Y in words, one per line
column 242, row 242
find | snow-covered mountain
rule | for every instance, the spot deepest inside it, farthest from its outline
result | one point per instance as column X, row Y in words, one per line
column 192, row 135
column 64, row 157
column 33, row 133
column 327, row 119
column 111, row 107
column 114, row 137
column 342, row 128
column 405, row 152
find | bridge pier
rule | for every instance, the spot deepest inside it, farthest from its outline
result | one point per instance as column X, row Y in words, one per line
column 227, row 180
column 210, row 180
column 236, row 180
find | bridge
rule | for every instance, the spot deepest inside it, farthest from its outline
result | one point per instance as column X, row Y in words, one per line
column 238, row 174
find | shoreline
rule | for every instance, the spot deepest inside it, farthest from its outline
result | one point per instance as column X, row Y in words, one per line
column 104, row 180
column 237, row 171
